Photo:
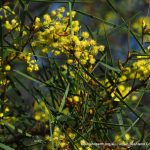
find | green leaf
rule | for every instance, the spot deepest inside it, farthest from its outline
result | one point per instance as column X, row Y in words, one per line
column 1, row 35
column 118, row 13
column 17, row 129
column 124, row 24
column 94, row 17
column 24, row 6
column 70, row 16
column 109, row 67
column 5, row 147
column 90, row 32
column 64, row 99
column 92, row 76
column 133, row 125
column 120, row 120
column 56, row 1
column 27, row 76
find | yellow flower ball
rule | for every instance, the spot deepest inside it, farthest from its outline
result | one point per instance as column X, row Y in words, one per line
column 69, row 61
column 127, row 137
column 101, row 48
column 83, row 62
column 92, row 61
column 59, row 16
column 56, row 129
column 7, row 25
column 7, row 67
column 53, row 13
column 61, row 137
column 70, row 99
column 6, row 110
column 83, row 142
column 45, row 50
column 121, row 88
column 56, row 134
column 134, row 97
column 76, row 99
column 73, row 13
column 77, row 54
column 37, row 117
column 29, row 69
column 71, row 135
column 117, row 138
column 47, row 17
column 1, row 115
column 88, row 148
column 62, row 144
column 85, row 35
column 36, row 67
column 47, row 138
column 92, row 42
column 61, row 9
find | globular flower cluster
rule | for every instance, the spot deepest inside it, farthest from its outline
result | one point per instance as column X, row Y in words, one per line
column 140, row 68
column 57, row 35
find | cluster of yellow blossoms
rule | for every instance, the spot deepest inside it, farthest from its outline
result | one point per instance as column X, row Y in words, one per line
column 61, row 140
column 13, row 27
column 119, row 90
column 139, row 69
column 53, row 34
column 2, row 114
column 6, row 118
column 31, row 63
column 27, row 58
column 11, row 24
column 4, row 69
column 41, row 112
column 123, row 91
column 74, row 99
column 127, row 139
column 58, row 35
